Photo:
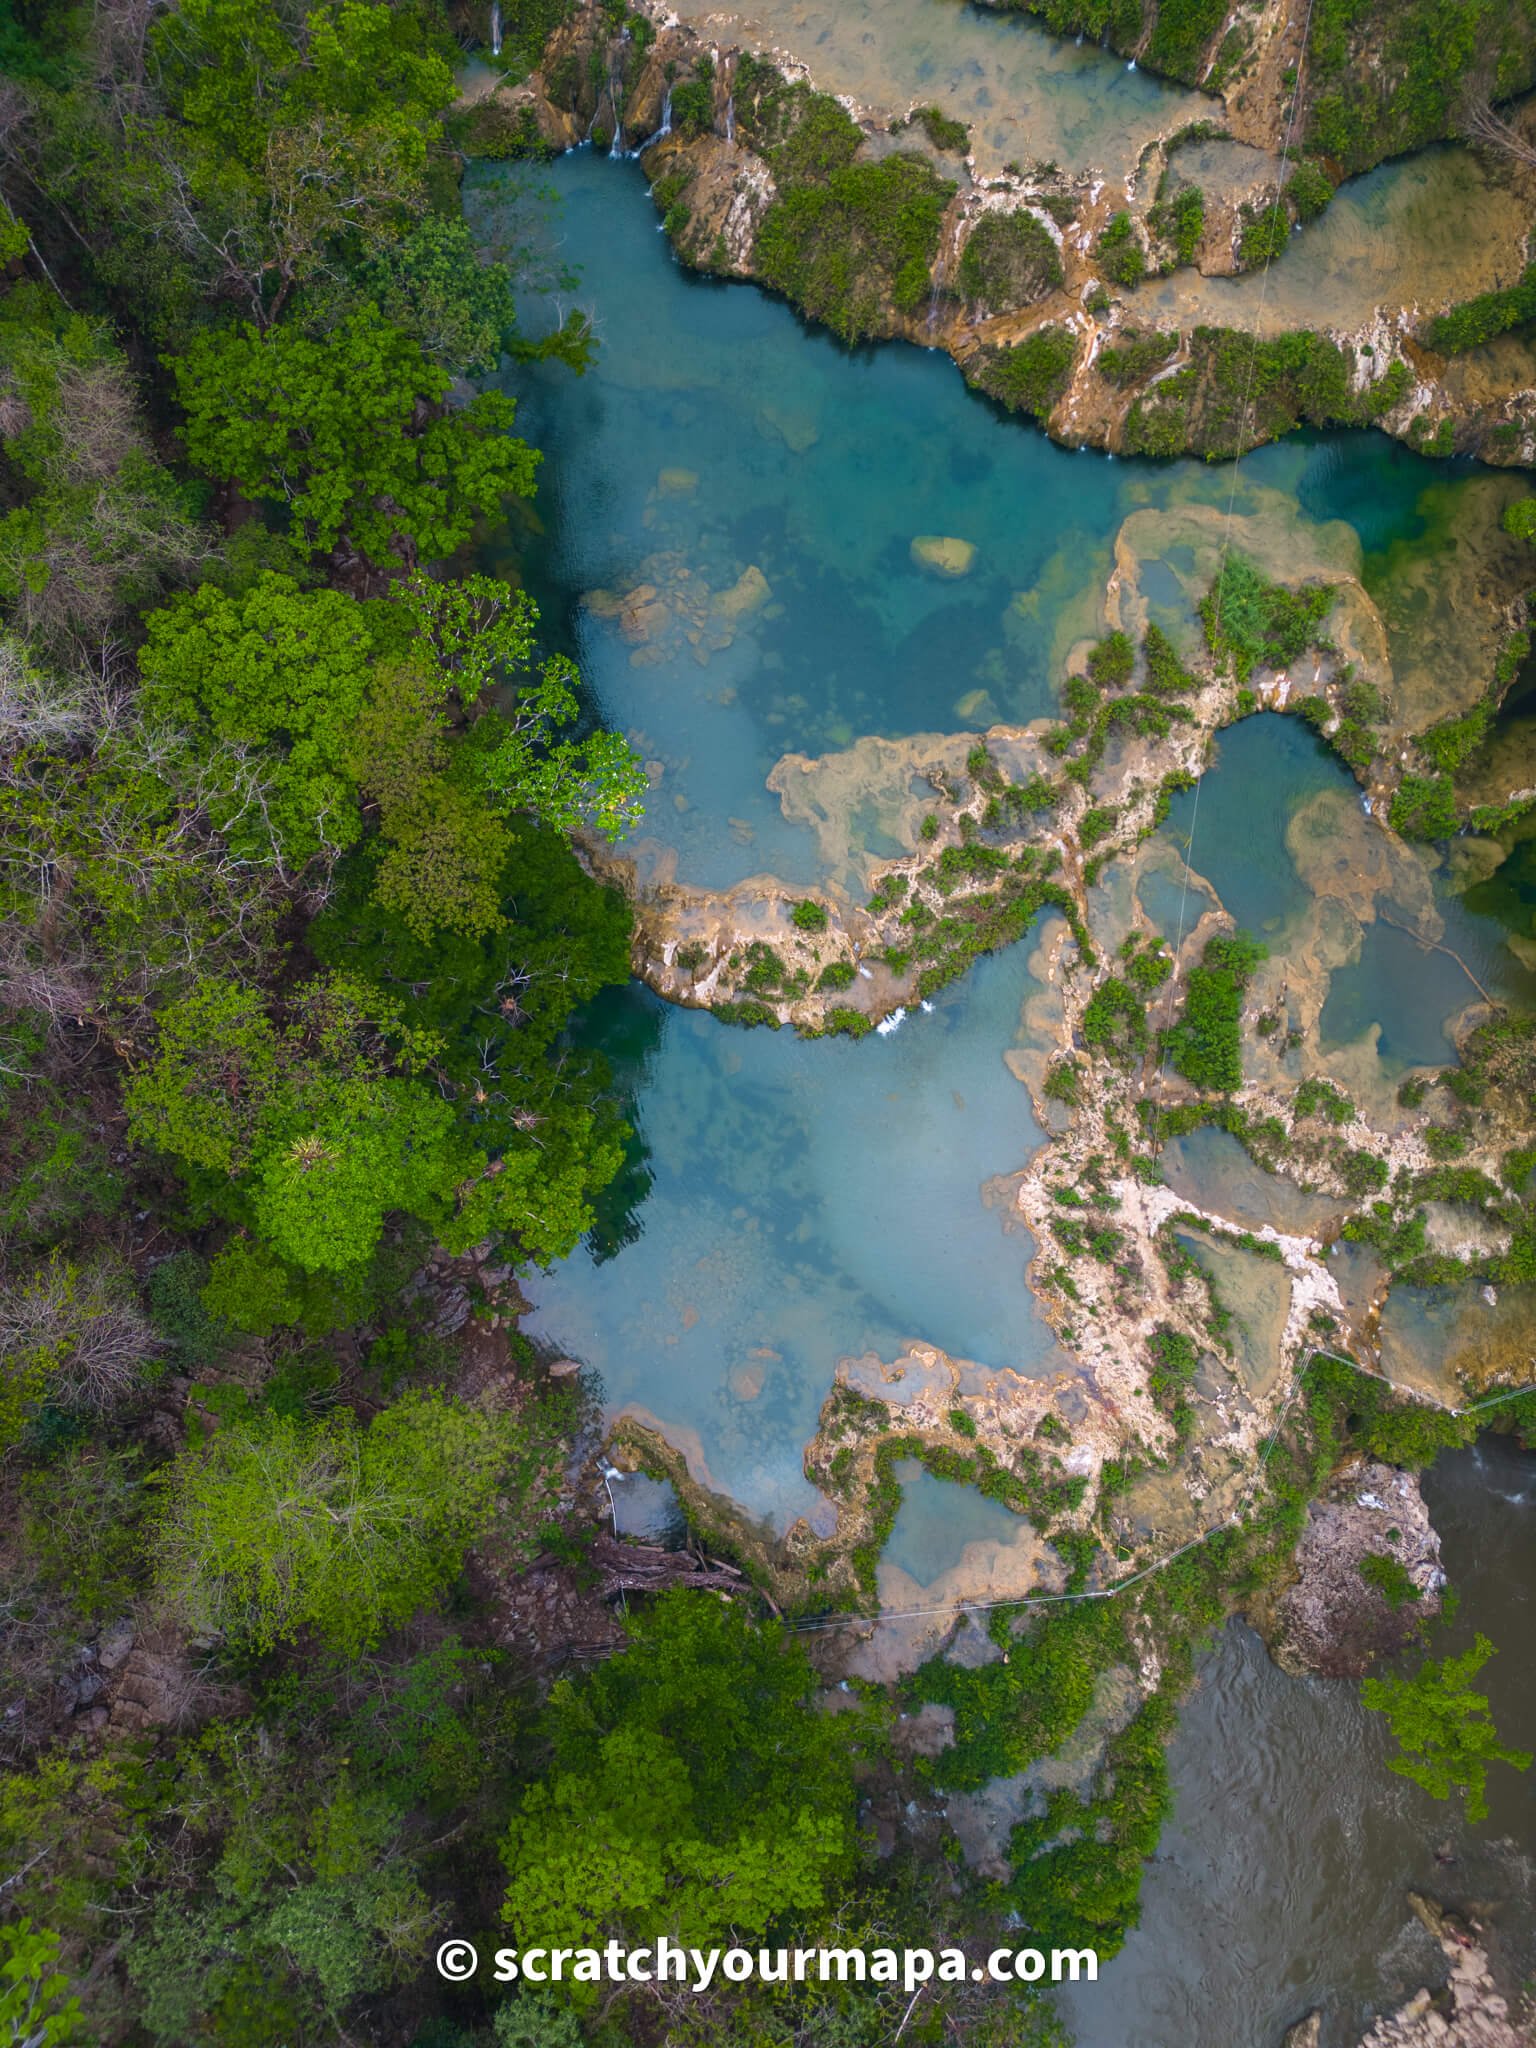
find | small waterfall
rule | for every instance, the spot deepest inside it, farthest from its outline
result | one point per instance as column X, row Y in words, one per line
column 1132, row 65
column 666, row 124
column 495, row 28
column 730, row 118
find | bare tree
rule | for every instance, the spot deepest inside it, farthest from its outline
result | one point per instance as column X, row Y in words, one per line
column 76, row 1335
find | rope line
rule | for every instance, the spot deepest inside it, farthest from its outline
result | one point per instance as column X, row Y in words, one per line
column 1226, row 536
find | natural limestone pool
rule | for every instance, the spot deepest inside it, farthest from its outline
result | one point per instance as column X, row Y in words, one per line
column 726, row 539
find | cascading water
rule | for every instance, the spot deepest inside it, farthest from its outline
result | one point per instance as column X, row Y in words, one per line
column 730, row 118
column 666, row 124
column 495, row 28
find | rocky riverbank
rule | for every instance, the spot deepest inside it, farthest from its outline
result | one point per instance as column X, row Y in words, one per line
column 1469, row 2011
column 1039, row 281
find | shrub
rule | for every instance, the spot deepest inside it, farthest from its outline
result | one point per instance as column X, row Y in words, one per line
column 1134, row 357
column 1010, row 259
column 1205, row 1045
column 1483, row 318
column 1308, row 190
column 809, row 916
column 1424, row 807
column 1181, row 220
column 1115, row 1020
column 1030, row 376
column 1263, row 236
column 1258, row 623
column 1119, row 252
column 1112, row 661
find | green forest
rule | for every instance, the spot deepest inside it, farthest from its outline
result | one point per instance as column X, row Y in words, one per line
column 302, row 812
column 293, row 927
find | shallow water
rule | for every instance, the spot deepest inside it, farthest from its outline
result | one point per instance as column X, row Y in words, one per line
column 937, row 1520
column 717, row 439
column 1280, row 1883
column 1395, row 238
column 1025, row 92
column 1232, row 828
column 806, row 1202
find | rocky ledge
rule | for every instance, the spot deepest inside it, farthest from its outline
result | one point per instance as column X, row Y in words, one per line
column 1031, row 277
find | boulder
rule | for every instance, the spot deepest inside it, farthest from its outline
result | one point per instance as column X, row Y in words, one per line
column 943, row 554
column 1367, row 1575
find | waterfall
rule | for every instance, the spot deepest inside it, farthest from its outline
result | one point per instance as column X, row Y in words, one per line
column 1132, row 65
column 666, row 124
column 495, row 28
column 730, row 118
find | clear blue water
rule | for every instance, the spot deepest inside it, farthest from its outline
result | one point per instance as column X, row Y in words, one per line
column 787, row 1204
column 937, row 1519
column 1265, row 768
column 718, row 434
column 794, row 1203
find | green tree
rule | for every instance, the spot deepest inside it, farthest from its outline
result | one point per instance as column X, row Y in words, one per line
column 280, row 1525
column 1446, row 1735
column 92, row 521
column 34, row 2011
column 693, row 1788
column 351, row 436
column 433, row 286
column 282, row 1890
column 281, row 669
column 314, row 1127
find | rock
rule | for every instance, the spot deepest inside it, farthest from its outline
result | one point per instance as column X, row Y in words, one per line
column 798, row 430
column 643, row 615
column 1332, row 1619
column 749, row 593
column 115, row 1644
column 1306, row 2033
column 942, row 553
column 1470, row 2012
column 677, row 483
column 975, row 705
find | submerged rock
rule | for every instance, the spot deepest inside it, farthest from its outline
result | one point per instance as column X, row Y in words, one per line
column 944, row 554
column 1368, row 1575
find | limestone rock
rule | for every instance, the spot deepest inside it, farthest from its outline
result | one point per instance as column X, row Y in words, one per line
column 749, row 593
column 1333, row 1620
column 943, row 554
column 1306, row 2033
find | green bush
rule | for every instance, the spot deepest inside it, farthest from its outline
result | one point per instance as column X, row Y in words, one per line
column 1424, row 807
column 1030, row 376
column 1263, row 236
column 1308, row 190
column 1205, row 1045
column 809, row 916
column 1119, row 253
column 1134, row 357
column 1010, row 260
column 849, row 250
column 1257, row 623
column 1181, row 220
